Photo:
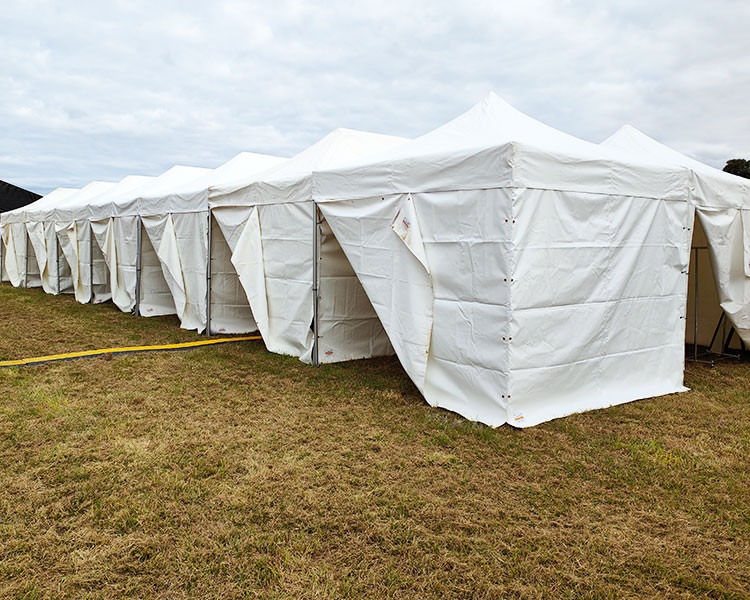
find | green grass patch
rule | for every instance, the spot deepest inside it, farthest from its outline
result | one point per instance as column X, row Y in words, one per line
column 230, row 472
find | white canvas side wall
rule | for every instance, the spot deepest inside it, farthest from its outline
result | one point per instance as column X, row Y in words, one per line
column 348, row 327
column 65, row 259
column 74, row 245
column 191, row 237
column 14, row 256
column 100, row 283
column 155, row 296
column 38, row 248
column 598, row 292
column 728, row 233
column 230, row 309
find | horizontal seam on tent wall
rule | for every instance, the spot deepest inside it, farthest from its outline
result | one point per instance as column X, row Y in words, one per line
column 498, row 187
column 599, row 357
column 590, row 302
column 23, row 362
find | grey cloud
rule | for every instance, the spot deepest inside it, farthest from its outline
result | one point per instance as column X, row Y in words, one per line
column 102, row 90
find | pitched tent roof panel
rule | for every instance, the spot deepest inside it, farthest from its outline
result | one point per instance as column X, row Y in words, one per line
column 291, row 180
column 495, row 145
column 192, row 196
column 125, row 203
column 54, row 197
column 712, row 186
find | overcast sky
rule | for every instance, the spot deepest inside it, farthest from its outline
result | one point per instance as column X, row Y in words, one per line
column 101, row 89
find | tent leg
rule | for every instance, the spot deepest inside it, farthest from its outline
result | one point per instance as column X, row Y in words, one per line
column 695, row 309
column 208, row 274
column 26, row 261
column 138, row 243
column 57, row 262
column 91, row 263
column 316, row 282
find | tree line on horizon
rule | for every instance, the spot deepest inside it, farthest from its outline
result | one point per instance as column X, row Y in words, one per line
column 738, row 166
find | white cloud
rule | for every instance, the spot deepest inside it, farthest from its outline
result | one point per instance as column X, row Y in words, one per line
column 97, row 90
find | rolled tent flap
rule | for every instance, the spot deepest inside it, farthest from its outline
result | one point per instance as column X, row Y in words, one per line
column 394, row 277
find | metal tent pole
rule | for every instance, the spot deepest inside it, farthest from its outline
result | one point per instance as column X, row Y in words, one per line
column 695, row 309
column 57, row 261
column 26, row 260
column 316, row 282
column 91, row 262
column 138, row 242
column 208, row 274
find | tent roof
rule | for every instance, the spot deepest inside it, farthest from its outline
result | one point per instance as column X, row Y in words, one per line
column 125, row 202
column 712, row 186
column 289, row 181
column 191, row 196
column 57, row 195
column 77, row 206
column 495, row 145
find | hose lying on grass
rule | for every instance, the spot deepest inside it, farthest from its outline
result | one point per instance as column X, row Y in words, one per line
column 25, row 362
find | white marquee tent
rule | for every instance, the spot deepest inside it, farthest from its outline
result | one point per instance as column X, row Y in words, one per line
column 15, row 241
column 305, row 298
column 722, row 204
column 521, row 274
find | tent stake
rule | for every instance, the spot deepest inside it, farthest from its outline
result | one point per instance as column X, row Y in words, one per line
column 208, row 274
column 138, row 241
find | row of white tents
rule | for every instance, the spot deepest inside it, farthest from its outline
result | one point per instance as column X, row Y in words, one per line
column 519, row 273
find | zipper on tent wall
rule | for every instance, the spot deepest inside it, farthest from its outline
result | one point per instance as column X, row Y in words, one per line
column 208, row 274
column 316, row 281
column 138, row 241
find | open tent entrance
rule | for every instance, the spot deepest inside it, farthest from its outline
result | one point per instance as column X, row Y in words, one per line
column 229, row 309
column 714, row 334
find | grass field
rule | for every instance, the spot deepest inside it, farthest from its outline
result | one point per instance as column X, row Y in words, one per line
column 229, row 472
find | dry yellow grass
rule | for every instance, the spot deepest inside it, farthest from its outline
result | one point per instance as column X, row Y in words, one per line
column 229, row 472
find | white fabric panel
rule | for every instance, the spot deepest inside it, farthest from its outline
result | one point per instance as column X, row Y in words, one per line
column 52, row 258
column 72, row 248
column 38, row 246
column 230, row 309
column 104, row 234
column 596, row 280
column 180, row 244
column 247, row 258
column 156, row 297
column 66, row 258
column 273, row 258
column 745, row 215
column 120, row 247
column 348, row 327
column 191, row 238
column 13, row 267
column 396, row 282
column 727, row 234
column 100, row 282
